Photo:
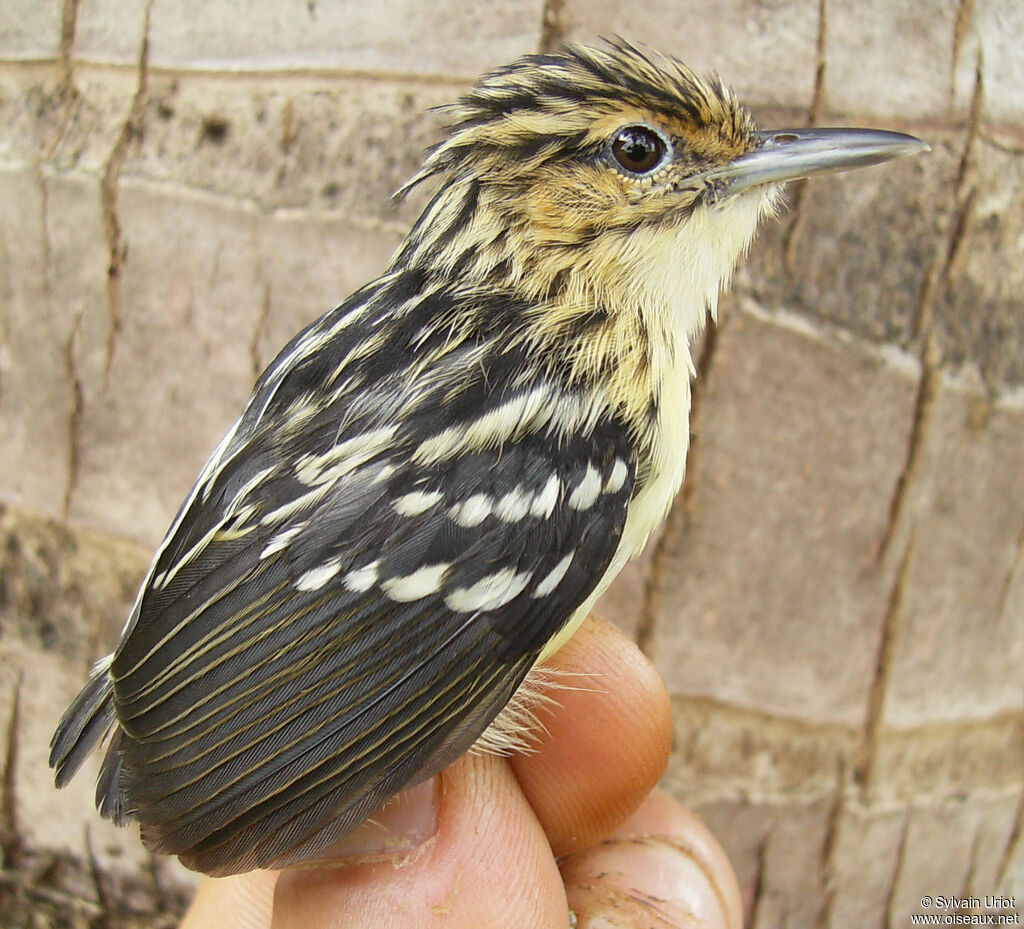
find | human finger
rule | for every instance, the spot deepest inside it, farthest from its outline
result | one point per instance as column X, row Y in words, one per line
column 244, row 901
column 488, row 863
column 607, row 740
column 662, row 865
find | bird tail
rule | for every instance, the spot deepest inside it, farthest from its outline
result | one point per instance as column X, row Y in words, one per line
column 85, row 724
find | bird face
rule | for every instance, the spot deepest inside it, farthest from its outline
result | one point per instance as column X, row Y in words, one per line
column 642, row 174
column 556, row 164
column 611, row 191
column 562, row 151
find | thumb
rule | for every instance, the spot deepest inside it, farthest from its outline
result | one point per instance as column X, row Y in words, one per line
column 488, row 864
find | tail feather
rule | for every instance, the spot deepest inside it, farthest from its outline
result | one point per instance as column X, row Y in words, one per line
column 84, row 725
column 110, row 796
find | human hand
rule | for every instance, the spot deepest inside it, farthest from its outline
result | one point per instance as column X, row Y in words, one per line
column 495, row 842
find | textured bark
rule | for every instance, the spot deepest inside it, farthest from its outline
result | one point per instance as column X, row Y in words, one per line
column 837, row 600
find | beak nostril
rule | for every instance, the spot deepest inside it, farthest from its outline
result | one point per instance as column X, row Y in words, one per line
column 781, row 155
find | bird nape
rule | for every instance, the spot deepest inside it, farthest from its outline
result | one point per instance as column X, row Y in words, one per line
column 431, row 484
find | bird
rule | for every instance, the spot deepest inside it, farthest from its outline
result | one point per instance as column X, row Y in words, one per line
column 432, row 483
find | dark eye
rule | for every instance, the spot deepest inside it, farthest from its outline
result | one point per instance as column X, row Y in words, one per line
column 638, row 149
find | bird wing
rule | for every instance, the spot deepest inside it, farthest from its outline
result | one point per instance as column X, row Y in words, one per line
column 341, row 609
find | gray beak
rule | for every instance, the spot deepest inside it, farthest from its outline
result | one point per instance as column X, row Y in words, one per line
column 788, row 154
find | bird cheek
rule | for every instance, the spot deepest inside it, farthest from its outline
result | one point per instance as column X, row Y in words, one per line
column 564, row 207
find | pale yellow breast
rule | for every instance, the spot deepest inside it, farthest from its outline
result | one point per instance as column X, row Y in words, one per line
column 671, row 281
column 650, row 505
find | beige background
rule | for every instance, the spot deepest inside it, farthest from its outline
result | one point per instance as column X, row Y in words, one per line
column 837, row 601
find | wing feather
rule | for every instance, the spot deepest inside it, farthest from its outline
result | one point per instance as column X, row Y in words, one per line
column 304, row 647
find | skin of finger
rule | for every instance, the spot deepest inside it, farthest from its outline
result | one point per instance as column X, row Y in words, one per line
column 489, row 865
column 662, row 867
column 606, row 743
column 662, row 814
column 244, row 901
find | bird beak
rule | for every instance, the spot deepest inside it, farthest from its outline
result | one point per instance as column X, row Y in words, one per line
column 788, row 154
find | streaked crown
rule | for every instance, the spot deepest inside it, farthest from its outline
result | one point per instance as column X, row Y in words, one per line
column 548, row 109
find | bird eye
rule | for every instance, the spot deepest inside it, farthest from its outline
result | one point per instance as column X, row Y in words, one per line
column 638, row 149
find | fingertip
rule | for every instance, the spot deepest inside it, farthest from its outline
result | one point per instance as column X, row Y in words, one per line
column 607, row 739
column 662, row 814
column 244, row 901
column 663, row 858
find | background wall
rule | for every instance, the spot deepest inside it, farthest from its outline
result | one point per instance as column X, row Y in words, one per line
column 837, row 601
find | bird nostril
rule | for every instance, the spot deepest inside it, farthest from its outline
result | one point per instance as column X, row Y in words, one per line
column 785, row 137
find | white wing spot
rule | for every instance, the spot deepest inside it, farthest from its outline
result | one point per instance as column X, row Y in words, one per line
column 513, row 506
column 417, row 502
column 553, row 579
column 293, row 506
column 544, row 503
column 473, row 511
column 315, row 578
column 362, row 579
column 281, row 540
column 492, row 429
column 344, row 457
column 489, row 592
column 586, row 492
column 421, row 583
column 384, row 473
column 617, row 478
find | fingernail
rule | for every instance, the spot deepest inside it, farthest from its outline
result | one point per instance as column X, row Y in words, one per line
column 627, row 880
column 398, row 830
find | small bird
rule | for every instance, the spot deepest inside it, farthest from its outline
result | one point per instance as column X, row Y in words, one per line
column 432, row 484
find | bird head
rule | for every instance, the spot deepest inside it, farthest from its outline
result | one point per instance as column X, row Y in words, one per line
column 594, row 141
column 612, row 170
